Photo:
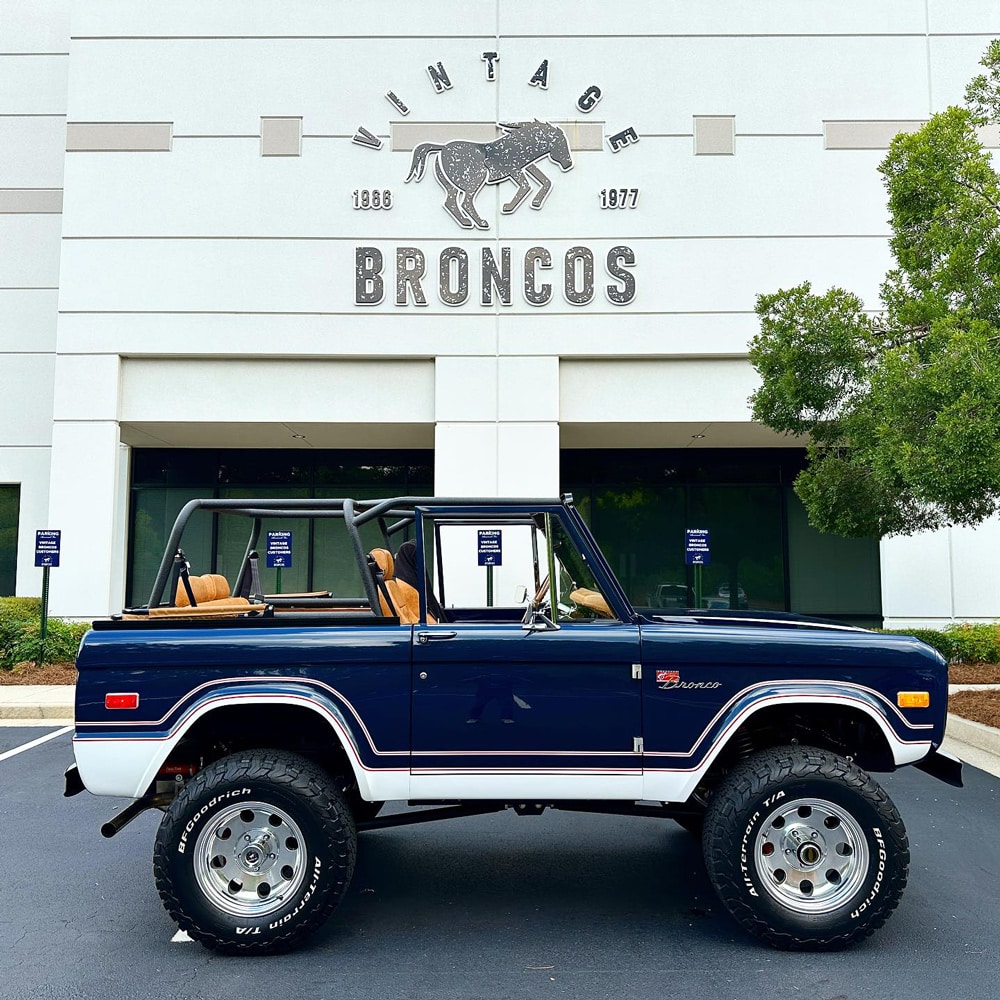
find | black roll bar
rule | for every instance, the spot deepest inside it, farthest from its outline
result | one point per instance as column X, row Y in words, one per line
column 354, row 512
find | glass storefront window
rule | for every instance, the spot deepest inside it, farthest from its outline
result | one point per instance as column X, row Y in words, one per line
column 763, row 553
column 163, row 480
column 747, row 567
column 233, row 532
column 830, row 575
column 153, row 515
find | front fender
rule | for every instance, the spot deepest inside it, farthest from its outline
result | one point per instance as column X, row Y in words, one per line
column 673, row 776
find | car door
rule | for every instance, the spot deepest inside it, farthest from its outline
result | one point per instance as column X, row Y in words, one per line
column 550, row 709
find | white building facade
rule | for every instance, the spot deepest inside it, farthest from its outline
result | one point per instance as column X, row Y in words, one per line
column 230, row 263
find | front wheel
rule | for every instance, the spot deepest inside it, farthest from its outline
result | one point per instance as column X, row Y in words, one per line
column 255, row 852
column 805, row 849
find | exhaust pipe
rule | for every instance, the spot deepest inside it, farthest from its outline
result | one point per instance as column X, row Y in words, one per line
column 129, row 813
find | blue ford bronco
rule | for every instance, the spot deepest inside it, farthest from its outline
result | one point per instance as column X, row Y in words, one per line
column 474, row 655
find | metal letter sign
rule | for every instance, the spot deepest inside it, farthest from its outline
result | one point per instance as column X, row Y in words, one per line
column 696, row 551
column 490, row 547
column 279, row 550
column 47, row 547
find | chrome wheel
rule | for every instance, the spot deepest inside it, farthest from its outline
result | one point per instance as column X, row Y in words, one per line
column 811, row 855
column 250, row 859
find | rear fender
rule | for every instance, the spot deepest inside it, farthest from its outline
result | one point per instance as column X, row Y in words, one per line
column 126, row 762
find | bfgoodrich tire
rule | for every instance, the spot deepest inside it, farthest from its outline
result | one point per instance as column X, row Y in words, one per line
column 255, row 852
column 805, row 849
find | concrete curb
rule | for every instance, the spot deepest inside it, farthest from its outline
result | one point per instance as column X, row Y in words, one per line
column 974, row 733
column 29, row 701
column 56, row 712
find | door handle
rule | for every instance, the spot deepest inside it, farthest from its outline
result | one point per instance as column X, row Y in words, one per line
column 425, row 637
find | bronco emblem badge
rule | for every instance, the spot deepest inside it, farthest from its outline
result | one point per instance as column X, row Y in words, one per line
column 462, row 168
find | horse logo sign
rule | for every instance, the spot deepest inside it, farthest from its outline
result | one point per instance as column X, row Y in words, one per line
column 462, row 168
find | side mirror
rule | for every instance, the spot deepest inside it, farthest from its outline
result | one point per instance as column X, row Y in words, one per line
column 539, row 622
column 520, row 594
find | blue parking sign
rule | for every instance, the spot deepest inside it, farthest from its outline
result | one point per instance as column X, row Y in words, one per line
column 279, row 550
column 696, row 548
column 490, row 551
column 47, row 545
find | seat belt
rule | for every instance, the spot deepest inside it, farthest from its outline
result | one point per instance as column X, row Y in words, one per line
column 182, row 572
column 379, row 578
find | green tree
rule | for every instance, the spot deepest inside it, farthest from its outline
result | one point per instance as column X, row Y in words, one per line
column 901, row 408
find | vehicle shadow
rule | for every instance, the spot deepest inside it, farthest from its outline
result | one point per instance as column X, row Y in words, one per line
column 532, row 878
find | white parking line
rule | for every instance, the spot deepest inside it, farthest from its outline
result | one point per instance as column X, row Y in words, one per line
column 35, row 743
column 180, row 938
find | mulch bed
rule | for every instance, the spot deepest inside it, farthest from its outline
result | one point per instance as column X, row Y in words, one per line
column 974, row 673
column 980, row 706
column 47, row 673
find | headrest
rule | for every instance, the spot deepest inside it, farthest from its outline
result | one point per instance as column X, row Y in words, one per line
column 383, row 559
column 406, row 563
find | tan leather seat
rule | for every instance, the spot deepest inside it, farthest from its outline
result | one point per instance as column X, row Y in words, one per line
column 395, row 597
column 211, row 593
column 591, row 600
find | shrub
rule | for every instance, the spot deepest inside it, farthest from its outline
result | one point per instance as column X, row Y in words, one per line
column 963, row 643
column 15, row 614
column 61, row 643
column 20, row 634
column 974, row 643
column 941, row 641
column 21, row 608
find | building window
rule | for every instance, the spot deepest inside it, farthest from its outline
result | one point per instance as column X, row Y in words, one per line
column 10, row 509
column 763, row 553
column 163, row 480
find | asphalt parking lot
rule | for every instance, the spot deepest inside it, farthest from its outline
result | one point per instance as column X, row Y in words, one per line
column 561, row 905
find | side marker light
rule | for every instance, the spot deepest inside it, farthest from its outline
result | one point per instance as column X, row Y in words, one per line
column 913, row 699
column 120, row 700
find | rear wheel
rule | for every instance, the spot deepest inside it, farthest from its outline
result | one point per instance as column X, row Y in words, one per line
column 255, row 852
column 805, row 849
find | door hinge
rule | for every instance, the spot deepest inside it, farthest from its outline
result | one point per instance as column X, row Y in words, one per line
column 636, row 744
column 637, row 671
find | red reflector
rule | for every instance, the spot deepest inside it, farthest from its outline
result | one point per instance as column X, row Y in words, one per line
column 121, row 701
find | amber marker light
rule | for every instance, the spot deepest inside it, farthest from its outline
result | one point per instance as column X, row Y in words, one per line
column 129, row 700
column 913, row 699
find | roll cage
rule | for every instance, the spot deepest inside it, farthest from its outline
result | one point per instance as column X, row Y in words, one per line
column 393, row 516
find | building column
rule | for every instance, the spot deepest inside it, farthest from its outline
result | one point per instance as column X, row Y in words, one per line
column 88, row 489
column 528, row 429
column 465, row 433
column 497, row 427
